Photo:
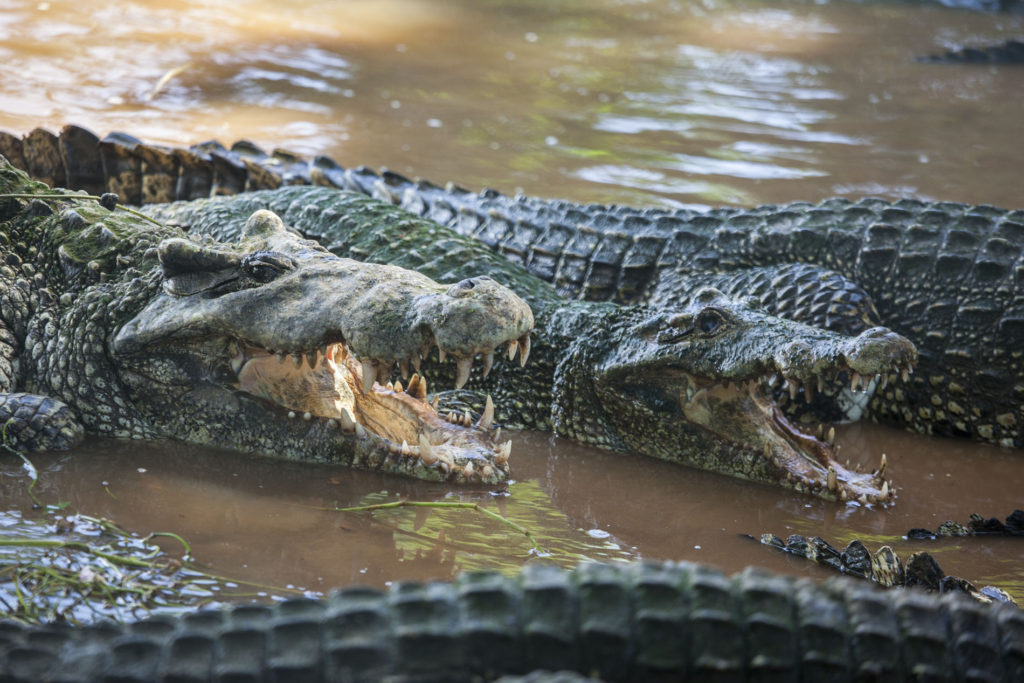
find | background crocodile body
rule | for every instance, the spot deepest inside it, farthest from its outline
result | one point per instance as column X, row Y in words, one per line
column 640, row 621
column 947, row 276
column 1007, row 52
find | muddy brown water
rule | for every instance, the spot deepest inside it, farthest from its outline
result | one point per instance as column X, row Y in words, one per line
column 668, row 103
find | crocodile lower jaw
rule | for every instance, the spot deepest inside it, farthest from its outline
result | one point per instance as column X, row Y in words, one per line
column 329, row 385
column 745, row 415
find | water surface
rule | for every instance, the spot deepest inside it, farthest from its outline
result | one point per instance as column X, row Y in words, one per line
column 647, row 103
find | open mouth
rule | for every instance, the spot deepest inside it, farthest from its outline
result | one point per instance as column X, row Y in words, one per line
column 330, row 384
column 747, row 416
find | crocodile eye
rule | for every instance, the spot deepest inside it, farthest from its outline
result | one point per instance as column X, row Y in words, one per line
column 465, row 287
column 709, row 321
column 265, row 266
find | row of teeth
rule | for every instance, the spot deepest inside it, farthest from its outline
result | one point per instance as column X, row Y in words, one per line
column 858, row 383
column 425, row 450
column 832, row 483
column 381, row 371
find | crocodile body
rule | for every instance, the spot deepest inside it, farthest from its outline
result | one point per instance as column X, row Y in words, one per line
column 640, row 621
column 689, row 382
column 945, row 275
column 1004, row 53
column 270, row 344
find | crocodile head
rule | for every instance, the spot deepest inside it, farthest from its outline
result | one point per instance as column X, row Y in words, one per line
column 698, row 386
column 276, row 345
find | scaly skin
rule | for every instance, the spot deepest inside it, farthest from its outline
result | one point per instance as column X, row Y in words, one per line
column 129, row 329
column 945, row 275
column 690, row 384
column 641, row 621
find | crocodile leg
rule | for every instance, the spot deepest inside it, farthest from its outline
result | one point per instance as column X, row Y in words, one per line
column 27, row 421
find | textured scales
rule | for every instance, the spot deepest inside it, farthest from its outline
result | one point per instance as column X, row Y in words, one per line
column 269, row 344
column 641, row 621
column 691, row 383
column 947, row 276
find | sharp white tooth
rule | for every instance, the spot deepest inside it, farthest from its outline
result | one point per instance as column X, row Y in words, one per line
column 885, row 491
column 369, row 376
column 808, row 392
column 237, row 362
column 863, row 500
column 467, row 471
column 441, row 354
column 312, row 358
column 831, row 436
column 348, row 422
column 452, row 417
column 405, row 449
column 467, row 419
column 842, row 495
column 855, row 382
column 398, row 387
column 434, row 403
column 833, row 479
column 421, row 392
column 496, row 437
column 403, row 369
column 821, row 383
column 885, row 380
column 390, row 386
column 513, row 346
column 307, row 416
column 904, row 375
column 488, row 417
column 773, row 380
column 462, row 375
column 488, row 362
column 821, row 431
column 882, row 465
column 280, row 357
column 793, row 387
column 427, row 451
column 524, row 346
column 503, row 453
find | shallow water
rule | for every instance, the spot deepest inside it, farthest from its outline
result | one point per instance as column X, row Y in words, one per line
column 273, row 522
column 646, row 103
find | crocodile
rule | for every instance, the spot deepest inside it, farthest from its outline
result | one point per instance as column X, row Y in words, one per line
column 119, row 326
column 884, row 567
column 945, row 275
column 623, row 622
column 689, row 383
column 1008, row 52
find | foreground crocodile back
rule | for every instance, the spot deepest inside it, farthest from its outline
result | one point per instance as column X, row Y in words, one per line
column 640, row 621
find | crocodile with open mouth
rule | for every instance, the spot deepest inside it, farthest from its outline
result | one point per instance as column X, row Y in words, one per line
column 945, row 275
column 269, row 344
column 692, row 383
